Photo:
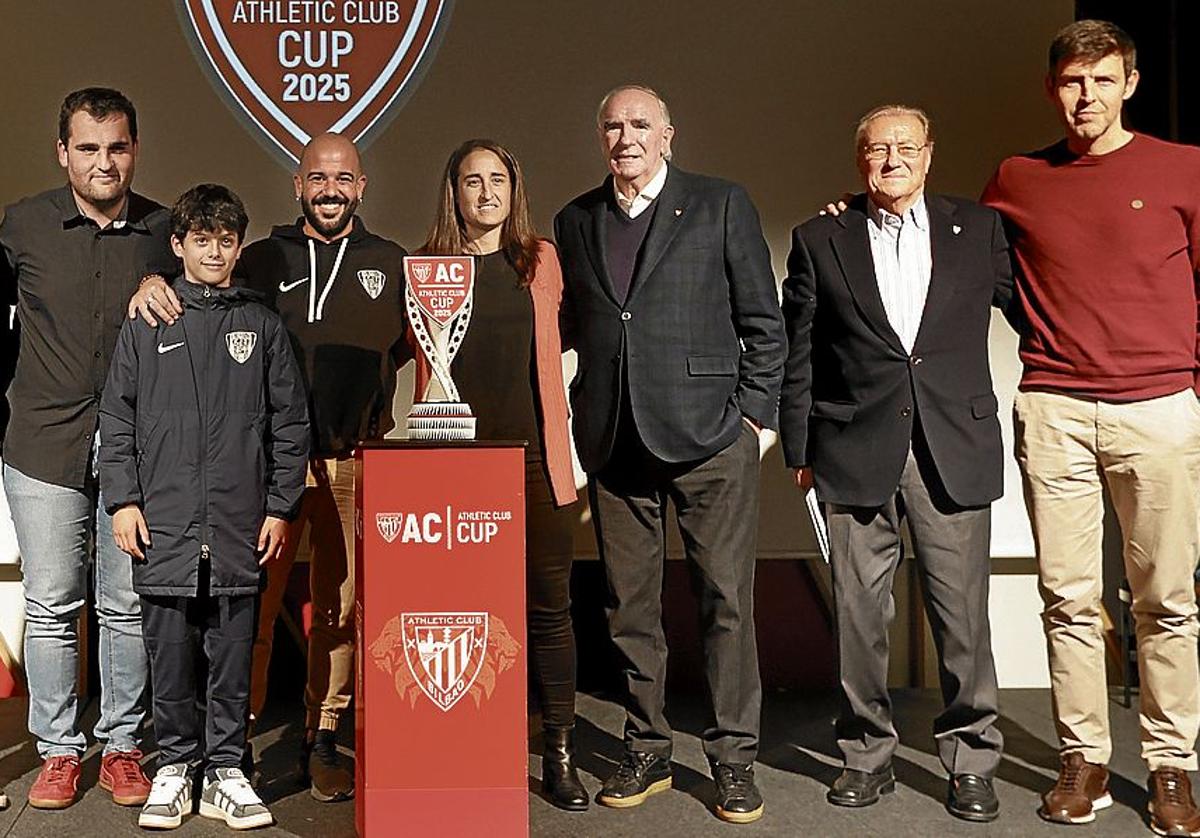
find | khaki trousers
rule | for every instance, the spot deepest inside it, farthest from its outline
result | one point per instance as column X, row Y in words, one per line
column 1147, row 455
column 324, row 532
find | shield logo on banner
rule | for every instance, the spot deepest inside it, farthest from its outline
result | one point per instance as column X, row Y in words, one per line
column 441, row 285
column 290, row 70
column 445, row 652
column 388, row 524
column 372, row 282
column 240, row 345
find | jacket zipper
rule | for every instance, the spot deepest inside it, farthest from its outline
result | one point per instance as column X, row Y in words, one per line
column 202, row 398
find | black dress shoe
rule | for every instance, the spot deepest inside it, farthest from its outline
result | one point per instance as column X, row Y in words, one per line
column 738, row 800
column 972, row 798
column 637, row 777
column 861, row 788
column 560, row 780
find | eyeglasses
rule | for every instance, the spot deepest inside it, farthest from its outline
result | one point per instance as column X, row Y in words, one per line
column 879, row 151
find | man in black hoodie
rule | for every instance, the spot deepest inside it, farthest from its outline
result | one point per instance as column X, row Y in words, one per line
column 340, row 292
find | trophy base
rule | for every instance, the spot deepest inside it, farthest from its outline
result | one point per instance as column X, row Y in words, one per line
column 437, row 421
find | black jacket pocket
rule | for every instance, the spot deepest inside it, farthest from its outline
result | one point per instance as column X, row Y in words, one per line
column 837, row 411
column 711, row 365
column 984, row 406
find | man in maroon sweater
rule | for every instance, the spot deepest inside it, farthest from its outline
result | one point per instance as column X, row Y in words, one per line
column 1105, row 227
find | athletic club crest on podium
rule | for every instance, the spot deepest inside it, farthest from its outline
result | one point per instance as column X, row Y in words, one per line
column 445, row 653
column 419, row 654
column 388, row 524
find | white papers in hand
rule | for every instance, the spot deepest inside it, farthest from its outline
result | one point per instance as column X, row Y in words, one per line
column 817, row 516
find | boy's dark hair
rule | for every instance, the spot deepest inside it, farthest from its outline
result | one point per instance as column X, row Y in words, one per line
column 97, row 102
column 1091, row 40
column 209, row 208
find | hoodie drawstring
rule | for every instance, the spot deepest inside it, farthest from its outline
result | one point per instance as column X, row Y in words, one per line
column 316, row 308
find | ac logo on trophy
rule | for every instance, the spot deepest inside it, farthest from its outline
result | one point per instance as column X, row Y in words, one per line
column 437, row 296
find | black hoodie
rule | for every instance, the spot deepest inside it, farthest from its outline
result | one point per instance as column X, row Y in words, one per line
column 347, row 328
column 203, row 425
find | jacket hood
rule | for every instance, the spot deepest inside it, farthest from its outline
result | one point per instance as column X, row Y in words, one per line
column 295, row 231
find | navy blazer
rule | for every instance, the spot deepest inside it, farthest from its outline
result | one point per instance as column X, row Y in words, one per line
column 851, row 393
column 697, row 343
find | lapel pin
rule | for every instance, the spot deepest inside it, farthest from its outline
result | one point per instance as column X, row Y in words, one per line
column 956, row 229
column 678, row 211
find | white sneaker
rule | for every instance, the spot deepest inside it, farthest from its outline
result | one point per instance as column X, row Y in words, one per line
column 232, row 799
column 3, row 800
column 170, row 798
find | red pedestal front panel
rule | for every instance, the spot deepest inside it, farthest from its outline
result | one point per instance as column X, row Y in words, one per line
column 441, row 714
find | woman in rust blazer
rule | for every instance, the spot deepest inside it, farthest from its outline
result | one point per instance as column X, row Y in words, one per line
column 509, row 369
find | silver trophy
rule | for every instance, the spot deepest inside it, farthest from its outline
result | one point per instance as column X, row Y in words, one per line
column 438, row 298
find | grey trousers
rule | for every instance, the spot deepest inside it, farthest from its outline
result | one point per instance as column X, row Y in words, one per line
column 952, row 552
column 716, row 502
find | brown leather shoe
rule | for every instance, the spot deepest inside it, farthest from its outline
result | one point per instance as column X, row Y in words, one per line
column 1172, row 810
column 1081, row 790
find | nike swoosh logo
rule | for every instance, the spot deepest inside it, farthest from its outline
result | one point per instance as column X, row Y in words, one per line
column 163, row 349
column 288, row 286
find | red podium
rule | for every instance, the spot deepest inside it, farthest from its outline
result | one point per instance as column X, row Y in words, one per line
column 440, row 709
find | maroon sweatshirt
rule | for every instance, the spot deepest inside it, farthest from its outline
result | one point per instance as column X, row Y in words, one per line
column 1107, row 251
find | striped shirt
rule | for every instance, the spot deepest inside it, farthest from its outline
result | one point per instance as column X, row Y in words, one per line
column 903, row 261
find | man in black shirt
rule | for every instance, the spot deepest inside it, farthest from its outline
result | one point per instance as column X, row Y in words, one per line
column 69, row 258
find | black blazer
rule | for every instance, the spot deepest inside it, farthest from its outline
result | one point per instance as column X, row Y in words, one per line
column 851, row 393
column 699, row 339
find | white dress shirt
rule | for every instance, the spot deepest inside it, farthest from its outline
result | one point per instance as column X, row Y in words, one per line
column 635, row 206
column 903, row 261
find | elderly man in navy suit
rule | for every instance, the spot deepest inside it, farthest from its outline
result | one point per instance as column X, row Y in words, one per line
column 670, row 301
column 888, row 405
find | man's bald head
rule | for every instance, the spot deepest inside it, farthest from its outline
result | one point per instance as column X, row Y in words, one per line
column 327, row 146
column 329, row 185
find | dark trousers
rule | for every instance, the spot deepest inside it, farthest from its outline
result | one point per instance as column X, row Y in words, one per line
column 952, row 552
column 716, row 502
column 174, row 628
column 549, row 551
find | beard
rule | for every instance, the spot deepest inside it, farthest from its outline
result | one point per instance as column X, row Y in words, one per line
column 101, row 196
column 328, row 228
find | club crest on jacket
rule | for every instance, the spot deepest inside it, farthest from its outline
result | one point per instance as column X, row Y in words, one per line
column 372, row 282
column 241, row 345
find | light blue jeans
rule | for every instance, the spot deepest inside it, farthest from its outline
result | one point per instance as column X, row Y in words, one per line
column 57, row 528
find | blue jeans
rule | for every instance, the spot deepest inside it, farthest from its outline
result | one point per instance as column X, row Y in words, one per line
column 56, row 530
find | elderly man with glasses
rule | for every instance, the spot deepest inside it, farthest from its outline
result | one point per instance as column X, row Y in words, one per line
column 888, row 405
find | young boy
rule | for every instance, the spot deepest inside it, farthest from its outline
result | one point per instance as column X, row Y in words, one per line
column 204, row 439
